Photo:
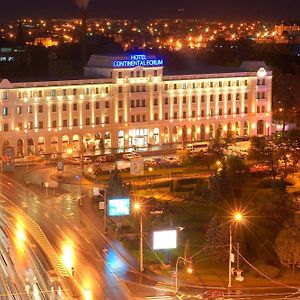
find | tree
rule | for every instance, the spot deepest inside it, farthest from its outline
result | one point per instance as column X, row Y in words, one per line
column 287, row 245
column 216, row 240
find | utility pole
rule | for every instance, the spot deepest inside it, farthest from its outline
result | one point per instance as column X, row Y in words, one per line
column 230, row 256
column 141, row 244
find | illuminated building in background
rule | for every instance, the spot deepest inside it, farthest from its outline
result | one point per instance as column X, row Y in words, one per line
column 130, row 101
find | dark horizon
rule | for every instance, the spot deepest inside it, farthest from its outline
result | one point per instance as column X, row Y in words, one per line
column 230, row 10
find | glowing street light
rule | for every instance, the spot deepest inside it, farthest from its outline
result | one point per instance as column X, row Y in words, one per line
column 189, row 270
column 138, row 208
column 236, row 218
column 68, row 257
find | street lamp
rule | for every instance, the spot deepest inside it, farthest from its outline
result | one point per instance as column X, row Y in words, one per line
column 137, row 207
column 237, row 218
column 189, row 270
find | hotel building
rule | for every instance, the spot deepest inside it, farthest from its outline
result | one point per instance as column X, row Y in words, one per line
column 129, row 101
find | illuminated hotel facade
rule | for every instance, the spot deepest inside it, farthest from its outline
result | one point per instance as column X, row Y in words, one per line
column 128, row 101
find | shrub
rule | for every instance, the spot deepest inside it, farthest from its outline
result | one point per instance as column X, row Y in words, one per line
column 268, row 270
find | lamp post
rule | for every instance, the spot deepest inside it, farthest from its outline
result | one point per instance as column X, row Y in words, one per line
column 137, row 206
column 189, row 270
column 237, row 218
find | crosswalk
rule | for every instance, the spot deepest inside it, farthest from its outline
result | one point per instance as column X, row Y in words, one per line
column 165, row 286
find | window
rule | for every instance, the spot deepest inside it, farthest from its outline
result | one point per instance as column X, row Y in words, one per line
column 237, row 110
column 120, row 104
column 237, row 96
column 211, row 98
column 262, row 109
column 258, row 95
column 53, row 93
column 41, row 124
column 237, row 83
column 155, row 73
column 143, row 88
column 75, row 122
column 97, row 90
column 29, row 125
column 54, row 124
column 246, row 109
column 263, row 82
column 229, row 97
column 202, row 98
column 211, row 84
column 41, row 108
column 74, row 92
column 184, row 114
column 144, row 118
column 193, row 114
column 258, row 109
column 19, row 110
column 175, row 86
column 263, row 95
column 138, row 103
column 75, row 106
column 64, row 108
column 166, row 100
column 19, row 95
column 87, row 121
column 246, row 82
column 29, row 109
column 138, row 73
column 246, row 96
column 120, row 89
column 202, row 113
column 106, row 104
column 184, row 85
column 131, row 89
column 144, row 73
column 132, row 119
column 229, row 111
column 155, row 101
column 175, row 115
column 175, row 101
column 220, row 98
column 64, row 92
column 258, row 82
column 155, row 87
column 143, row 103
column 87, row 106
column 120, row 119
column 97, row 104
column 5, row 95
column 202, row 85
column 193, row 85
column 166, row 87
column 229, row 83
column 97, row 120
column 166, row 116
column 53, row 107
column 5, row 127
column 220, row 83
column 65, row 123
column 184, row 100
column 87, row 91
column 40, row 94
column 193, row 99
column 211, row 112
column 5, row 111
column 132, row 103
column 119, row 74
column 155, row 116
column 220, row 111
column 131, row 74
column 106, row 90
column 106, row 120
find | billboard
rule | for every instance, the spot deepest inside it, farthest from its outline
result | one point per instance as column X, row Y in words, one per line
column 166, row 239
column 8, row 156
column 137, row 166
column 118, row 207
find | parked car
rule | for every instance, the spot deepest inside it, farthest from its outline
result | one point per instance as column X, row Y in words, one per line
column 75, row 161
column 259, row 168
column 132, row 155
column 150, row 162
column 174, row 161
column 213, row 295
column 87, row 160
column 110, row 158
column 101, row 159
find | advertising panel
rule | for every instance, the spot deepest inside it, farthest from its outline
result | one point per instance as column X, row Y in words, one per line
column 166, row 239
column 8, row 156
column 137, row 166
column 118, row 207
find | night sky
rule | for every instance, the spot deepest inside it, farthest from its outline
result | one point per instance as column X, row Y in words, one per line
column 209, row 9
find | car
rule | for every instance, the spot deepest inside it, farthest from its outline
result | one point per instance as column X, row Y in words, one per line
column 110, row 158
column 171, row 161
column 101, row 159
column 87, row 160
column 150, row 162
column 132, row 155
column 53, row 279
column 213, row 295
column 259, row 168
column 75, row 161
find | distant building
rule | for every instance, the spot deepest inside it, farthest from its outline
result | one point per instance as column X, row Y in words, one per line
column 45, row 41
column 131, row 101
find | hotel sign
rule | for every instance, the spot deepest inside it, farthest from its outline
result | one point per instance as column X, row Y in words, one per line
column 138, row 60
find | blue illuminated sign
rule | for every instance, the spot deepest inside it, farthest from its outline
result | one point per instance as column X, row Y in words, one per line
column 138, row 60
column 118, row 207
